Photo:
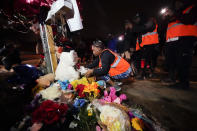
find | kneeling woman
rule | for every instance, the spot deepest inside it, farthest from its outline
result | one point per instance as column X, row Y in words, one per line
column 110, row 65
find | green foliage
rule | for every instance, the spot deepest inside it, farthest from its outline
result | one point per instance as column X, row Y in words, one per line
column 86, row 123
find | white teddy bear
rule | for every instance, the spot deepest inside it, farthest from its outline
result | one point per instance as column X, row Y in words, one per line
column 65, row 69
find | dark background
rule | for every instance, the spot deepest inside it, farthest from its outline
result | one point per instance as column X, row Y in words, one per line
column 101, row 17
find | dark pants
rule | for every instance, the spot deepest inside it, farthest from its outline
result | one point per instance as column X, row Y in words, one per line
column 135, row 58
column 185, row 54
column 149, row 55
column 171, row 50
column 179, row 58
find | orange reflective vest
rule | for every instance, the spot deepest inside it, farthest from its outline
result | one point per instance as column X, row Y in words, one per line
column 119, row 65
column 176, row 29
column 148, row 39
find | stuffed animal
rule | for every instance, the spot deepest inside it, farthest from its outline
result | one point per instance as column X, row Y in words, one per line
column 65, row 69
column 112, row 97
column 52, row 92
column 65, row 85
column 45, row 81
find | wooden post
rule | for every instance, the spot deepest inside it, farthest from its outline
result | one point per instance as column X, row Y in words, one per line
column 48, row 48
column 52, row 48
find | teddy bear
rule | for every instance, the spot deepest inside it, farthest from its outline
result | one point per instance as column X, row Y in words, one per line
column 112, row 97
column 65, row 69
column 46, row 80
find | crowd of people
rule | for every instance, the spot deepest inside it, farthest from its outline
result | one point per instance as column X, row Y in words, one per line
column 146, row 37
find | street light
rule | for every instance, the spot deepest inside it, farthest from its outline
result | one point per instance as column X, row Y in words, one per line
column 163, row 10
column 121, row 38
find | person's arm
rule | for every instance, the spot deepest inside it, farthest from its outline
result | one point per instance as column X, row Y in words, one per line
column 94, row 64
column 107, row 59
column 127, row 40
column 162, row 29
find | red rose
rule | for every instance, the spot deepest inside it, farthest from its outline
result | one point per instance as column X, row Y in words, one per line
column 79, row 90
column 49, row 112
column 63, row 109
column 36, row 116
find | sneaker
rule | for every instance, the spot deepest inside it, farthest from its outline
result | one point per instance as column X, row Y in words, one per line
column 117, row 88
column 118, row 83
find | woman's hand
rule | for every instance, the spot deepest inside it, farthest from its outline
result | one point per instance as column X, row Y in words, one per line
column 89, row 73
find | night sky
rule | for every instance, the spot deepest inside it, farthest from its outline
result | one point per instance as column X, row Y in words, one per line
column 101, row 17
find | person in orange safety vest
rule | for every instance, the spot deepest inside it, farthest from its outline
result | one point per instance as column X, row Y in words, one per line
column 110, row 65
column 147, row 43
column 180, row 38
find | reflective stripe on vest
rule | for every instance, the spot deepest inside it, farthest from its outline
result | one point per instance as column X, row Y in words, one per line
column 148, row 39
column 187, row 10
column 119, row 65
column 116, row 62
column 174, row 25
column 177, row 29
column 150, row 33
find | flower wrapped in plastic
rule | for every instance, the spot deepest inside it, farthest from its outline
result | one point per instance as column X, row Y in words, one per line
column 112, row 116
column 91, row 90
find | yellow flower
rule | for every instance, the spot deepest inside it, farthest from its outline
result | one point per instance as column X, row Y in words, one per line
column 90, row 112
column 116, row 126
column 82, row 81
column 92, row 88
column 137, row 124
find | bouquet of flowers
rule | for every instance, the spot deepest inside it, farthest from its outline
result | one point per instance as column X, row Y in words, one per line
column 91, row 91
column 49, row 112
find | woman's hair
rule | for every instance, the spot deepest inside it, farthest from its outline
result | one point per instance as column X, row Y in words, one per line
column 98, row 43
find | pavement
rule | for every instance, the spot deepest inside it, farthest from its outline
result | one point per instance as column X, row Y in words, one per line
column 174, row 109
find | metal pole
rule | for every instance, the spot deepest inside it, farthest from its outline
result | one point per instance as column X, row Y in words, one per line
column 47, row 57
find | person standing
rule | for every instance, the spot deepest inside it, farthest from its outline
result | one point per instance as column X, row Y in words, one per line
column 147, row 38
column 180, row 38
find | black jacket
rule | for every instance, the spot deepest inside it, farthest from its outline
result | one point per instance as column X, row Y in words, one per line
column 107, row 58
column 143, row 27
column 129, row 40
